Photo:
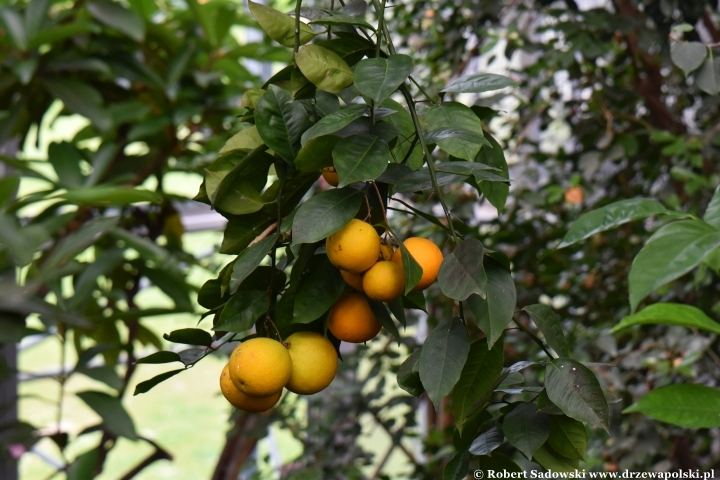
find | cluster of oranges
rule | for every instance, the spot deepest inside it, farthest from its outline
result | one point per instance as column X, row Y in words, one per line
column 260, row 368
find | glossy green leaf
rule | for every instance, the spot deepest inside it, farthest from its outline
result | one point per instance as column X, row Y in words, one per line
column 411, row 270
column 334, row 122
column 495, row 192
column 707, row 78
column 479, row 83
column 189, row 336
column 279, row 26
column 341, row 19
column 145, row 386
column 458, row 466
column 240, row 231
column 671, row 252
column 160, row 357
column 573, row 387
column 455, row 115
column 324, row 68
column 249, row 260
column 712, row 212
column 242, row 310
column 75, row 243
column 14, row 27
column 378, row 78
column 316, row 153
column 443, row 357
column 462, row 273
column 65, row 159
column 670, row 314
column 487, row 441
column 105, row 195
column 435, row 136
column 318, row 291
column 84, row 465
column 553, row 461
column 610, row 216
column 550, row 324
column 81, row 98
column 526, row 429
column 478, row 379
column 545, row 405
column 688, row 55
column 398, row 311
column 324, row 214
column 8, row 188
column 114, row 15
column 246, row 139
column 360, row 158
column 115, row 417
column 420, row 180
column 408, row 376
column 383, row 317
column 686, row 405
column 568, row 437
column 494, row 312
column 280, row 122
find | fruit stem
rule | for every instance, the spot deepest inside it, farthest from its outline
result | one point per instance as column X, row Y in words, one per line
column 380, row 199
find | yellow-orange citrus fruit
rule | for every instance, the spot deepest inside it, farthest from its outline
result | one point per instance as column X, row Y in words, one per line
column 352, row 320
column 386, row 251
column 384, row 282
column 574, row 195
column 427, row 254
column 353, row 279
column 260, row 367
column 242, row 401
column 355, row 247
column 331, row 176
column 314, row 362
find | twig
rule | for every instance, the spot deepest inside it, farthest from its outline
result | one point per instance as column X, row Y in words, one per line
column 532, row 335
column 380, row 199
column 297, row 27
column 264, row 234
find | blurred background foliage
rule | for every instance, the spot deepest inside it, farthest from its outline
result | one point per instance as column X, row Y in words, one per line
column 144, row 93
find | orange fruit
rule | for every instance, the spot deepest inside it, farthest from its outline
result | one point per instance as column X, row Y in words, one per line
column 314, row 362
column 574, row 195
column 384, row 282
column 353, row 279
column 260, row 367
column 355, row 247
column 427, row 254
column 331, row 176
column 352, row 320
column 242, row 401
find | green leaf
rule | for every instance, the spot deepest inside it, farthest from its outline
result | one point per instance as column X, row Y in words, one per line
column 670, row 314
column 408, row 376
column 550, row 325
column 324, row 214
column 708, row 77
column 145, row 386
column 573, row 387
column 383, row 317
column 160, row 357
column 84, row 465
column 111, row 410
column 462, row 273
column 105, row 195
column 279, row 26
column 81, row 98
column 65, row 159
column 443, row 357
column 686, row 405
column 324, row 68
column 495, row 312
column 420, row 180
column 341, row 19
column 411, row 270
column 116, row 16
column 240, row 231
column 688, row 55
column 14, row 27
column 398, row 311
column 242, row 310
column 8, row 189
column 435, row 136
column 712, row 213
column 334, row 122
column 455, row 115
column 526, row 429
column 610, row 216
column 495, row 192
column 671, row 252
column 457, row 468
column 316, row 154
column 75, row 243
column 189, row 336
column 249, row 260
column 246, row 139
column 568, row 437
column 104, row 373
column 238, row 198
column 318, row 291
column 479, row 83
column 360, row 158
column 545, row 405
column 487, row 441
column 553, row 461
column 478, row 379
column 378, row 78
column 497, row 462
column 281, row 121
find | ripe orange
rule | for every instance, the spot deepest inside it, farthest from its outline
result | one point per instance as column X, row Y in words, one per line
column 260, row 367
column 574, row 195
column 384, row 282
column 314, row 362
column 352, row 320
column 353, row 279
column 242, row 401
column 427, row 254
column 355, row 247
column 331, row 176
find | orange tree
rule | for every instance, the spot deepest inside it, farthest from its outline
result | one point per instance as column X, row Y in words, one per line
column 350, row 101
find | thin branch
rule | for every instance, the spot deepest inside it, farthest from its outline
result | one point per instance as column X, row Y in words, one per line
column 532, row 336
column 264, row 234
column 297, row 27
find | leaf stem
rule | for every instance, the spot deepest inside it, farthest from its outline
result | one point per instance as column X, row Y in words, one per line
column 533, row 336
column 329, row 32
column 380, row 30
column 297, row 27
column 429, row 99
